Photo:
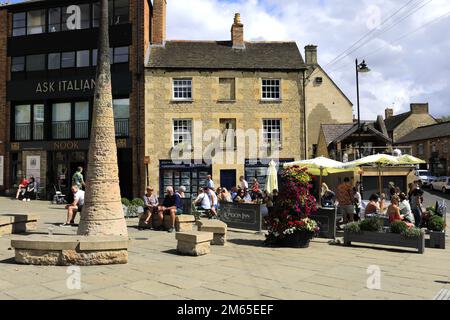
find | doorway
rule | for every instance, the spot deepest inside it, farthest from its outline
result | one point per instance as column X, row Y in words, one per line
column 228, row 179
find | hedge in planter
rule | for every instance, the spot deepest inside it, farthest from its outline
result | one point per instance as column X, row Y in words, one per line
column 370, row 232
column 437, row 226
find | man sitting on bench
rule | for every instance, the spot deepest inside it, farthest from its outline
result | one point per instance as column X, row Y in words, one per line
column 76, row 206
column 173, row 206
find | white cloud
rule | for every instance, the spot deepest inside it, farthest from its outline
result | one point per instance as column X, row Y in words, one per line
column 413, row 70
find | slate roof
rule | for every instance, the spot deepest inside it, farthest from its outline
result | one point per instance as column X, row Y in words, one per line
column 333, row 131
column 221, row 55
column 394, row 121
column 428, row 132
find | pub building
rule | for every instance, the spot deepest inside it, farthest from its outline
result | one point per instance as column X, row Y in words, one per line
column 48, row 58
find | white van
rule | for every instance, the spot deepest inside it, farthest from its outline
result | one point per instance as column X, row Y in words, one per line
column 425, row 177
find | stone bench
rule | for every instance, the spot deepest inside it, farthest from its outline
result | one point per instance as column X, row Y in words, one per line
column 194, row 243
column 184, row 222
column 16, row 223
column 67, row 250
column 218, row 228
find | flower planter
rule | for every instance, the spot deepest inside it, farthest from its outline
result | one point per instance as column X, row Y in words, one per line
column 437, row 240
column 385, row 239
column 296, row 240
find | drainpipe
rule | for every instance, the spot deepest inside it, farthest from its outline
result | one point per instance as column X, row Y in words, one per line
column 304, row 117
column 138, row 78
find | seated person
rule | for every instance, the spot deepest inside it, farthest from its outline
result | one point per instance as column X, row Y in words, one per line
column 240, row 196
column 151, row 205
column 373, row 207
column 394, row 212
column 382, row 203
column 31, row 191
column 172, row 205
column 247, row 197
column 22, row 188
column 226, row 196
column 327, row 196
column 202, row 202
column 405, row 209
column 76, row 206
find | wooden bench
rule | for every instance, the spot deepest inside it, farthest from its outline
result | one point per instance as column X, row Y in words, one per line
column 218, row 228
column 194, row 243
column 17, row 223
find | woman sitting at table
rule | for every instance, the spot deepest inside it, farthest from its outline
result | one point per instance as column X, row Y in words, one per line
column 382, row 203
column 327, row 196
column 373, row 207
column 405, row 209
column 394, row 212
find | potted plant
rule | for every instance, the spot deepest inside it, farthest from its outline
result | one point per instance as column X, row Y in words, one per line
column 289, row 224
column 436, row 226
column 135, row 208
column 125, row 205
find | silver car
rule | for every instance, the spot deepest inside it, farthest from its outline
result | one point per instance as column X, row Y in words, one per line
column 441, row 184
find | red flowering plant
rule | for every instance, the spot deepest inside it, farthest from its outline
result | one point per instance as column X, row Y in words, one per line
column 294, row 206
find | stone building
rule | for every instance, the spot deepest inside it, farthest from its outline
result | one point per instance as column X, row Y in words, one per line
column 431, row 143
column 224, row 106
column 48, row 55
column 325, row 101
column 400, row 125
column 342, row 142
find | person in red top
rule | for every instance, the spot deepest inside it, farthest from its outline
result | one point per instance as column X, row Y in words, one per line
column 345, row 197
column 22, row 187
column 394, row 212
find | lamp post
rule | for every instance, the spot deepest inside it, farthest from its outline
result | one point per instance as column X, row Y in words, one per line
column 363, row 69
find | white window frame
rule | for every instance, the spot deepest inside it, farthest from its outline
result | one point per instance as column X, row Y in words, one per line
column 266, row 142
column 174, row 143
column 182, row 86
column 262, row 89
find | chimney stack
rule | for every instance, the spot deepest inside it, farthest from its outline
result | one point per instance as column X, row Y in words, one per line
column 158, row 24
column 419, row 108
column 311, row 55
column 237, row 33
column 389, row 113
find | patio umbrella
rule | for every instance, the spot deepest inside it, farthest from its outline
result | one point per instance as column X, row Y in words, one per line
column 272, row 177
column 322, row 167
column 408, row 159
column 377, row 159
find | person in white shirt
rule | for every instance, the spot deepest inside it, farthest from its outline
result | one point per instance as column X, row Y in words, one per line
column 209, row 182
column 243, row 184
column 75, row 207
column 203, row 202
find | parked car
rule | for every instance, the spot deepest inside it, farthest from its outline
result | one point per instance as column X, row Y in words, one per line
column 441, row 183
column 425, row 177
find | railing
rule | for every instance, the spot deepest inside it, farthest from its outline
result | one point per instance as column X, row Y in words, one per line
column 122, row 127
column 38, row 131
column 23, row 131
column 351, row 154
column 81, row 129
column 62, row 130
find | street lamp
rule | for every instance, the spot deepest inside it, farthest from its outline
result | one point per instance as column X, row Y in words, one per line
column 363, row 69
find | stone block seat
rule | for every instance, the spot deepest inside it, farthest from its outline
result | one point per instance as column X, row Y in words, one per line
column 194, row 243
column 184, row 222
column 16, row 223
column 67, row 250
column 218, row 228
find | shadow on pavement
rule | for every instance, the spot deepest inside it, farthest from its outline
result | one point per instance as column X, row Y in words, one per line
column 8, row 261
column 248, row 242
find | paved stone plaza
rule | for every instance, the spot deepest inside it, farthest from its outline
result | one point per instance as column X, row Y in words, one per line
column 244, row 269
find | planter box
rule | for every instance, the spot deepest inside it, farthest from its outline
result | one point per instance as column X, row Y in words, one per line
column 385, row 239
column 437, row 240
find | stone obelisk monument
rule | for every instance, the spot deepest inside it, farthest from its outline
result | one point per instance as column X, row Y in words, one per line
column 103, row 213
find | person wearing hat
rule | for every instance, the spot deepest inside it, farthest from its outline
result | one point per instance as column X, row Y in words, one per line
column 151, row 205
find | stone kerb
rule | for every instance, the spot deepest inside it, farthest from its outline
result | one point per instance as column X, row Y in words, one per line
column 218, row 228
column 66, row 250
column 194, row 243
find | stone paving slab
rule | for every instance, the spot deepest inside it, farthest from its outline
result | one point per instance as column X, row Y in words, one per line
column 244, row 269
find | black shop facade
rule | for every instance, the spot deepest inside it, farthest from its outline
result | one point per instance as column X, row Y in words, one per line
column 50, row 129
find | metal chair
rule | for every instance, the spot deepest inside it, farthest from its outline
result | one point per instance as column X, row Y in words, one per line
column 59, row 197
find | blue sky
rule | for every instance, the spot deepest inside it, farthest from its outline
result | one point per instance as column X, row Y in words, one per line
column 408, row 54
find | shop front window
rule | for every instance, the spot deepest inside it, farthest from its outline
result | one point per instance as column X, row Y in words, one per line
column 19, row 24
column 82, row 120
column 61, row 126
column 54, row 61
column 68, row 60
column 121, row 116
column 192, row 180
column 36, row 62
column 54, row 20
column 23, row 122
